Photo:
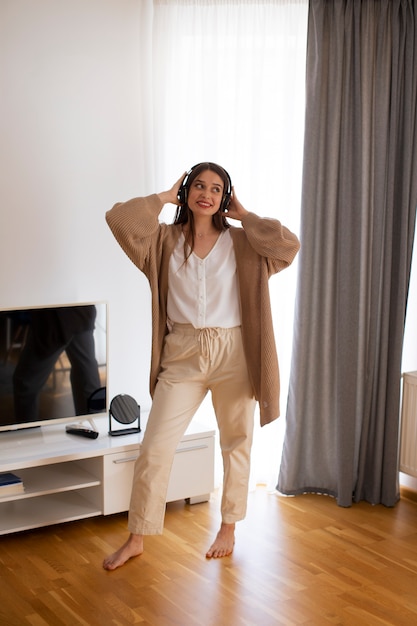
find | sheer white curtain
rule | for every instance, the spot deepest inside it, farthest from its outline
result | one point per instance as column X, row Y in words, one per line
column 228, row 81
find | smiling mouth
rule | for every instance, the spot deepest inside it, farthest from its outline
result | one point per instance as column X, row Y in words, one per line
column 204, row 205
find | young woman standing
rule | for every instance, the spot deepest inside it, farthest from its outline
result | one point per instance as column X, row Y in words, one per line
column 211, row 330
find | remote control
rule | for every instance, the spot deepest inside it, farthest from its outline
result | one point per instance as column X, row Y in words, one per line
column 81, row 431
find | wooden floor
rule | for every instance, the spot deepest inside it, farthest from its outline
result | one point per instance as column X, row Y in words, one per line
column 300, row 560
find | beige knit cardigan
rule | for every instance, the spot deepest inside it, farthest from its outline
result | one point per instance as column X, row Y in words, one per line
column 262, row 247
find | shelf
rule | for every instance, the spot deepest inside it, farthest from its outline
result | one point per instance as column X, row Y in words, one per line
column 19, row 515
column 61, row 477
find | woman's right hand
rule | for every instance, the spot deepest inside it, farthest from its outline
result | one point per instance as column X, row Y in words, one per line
column 171, row 196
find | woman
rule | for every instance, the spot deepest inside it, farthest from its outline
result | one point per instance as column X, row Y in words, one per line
column 211, row 330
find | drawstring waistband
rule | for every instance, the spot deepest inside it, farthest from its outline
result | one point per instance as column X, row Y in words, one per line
column 204, row 335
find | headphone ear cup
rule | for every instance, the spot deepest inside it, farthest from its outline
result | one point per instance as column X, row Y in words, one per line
column 182, row 195
column 182, row 191
column 225, row 204
column 228, row 195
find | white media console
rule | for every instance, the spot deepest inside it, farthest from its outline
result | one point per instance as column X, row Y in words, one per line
column 67, row 477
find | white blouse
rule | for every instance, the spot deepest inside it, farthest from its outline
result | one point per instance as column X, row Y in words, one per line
column 204, row 292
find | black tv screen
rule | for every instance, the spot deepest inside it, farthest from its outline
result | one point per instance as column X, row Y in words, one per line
column 53, row 364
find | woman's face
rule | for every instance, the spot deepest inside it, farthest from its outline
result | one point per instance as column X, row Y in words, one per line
column 205, row 193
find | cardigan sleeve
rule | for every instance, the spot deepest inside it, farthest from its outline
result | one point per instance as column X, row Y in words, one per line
column 135, row 226
column 270, row 239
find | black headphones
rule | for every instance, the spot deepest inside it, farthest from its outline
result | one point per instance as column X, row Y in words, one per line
column 183, row 190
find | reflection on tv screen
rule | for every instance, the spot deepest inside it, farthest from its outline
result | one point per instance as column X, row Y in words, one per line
column 52, row 362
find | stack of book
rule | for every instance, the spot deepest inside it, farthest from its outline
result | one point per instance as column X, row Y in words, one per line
column 10, row 484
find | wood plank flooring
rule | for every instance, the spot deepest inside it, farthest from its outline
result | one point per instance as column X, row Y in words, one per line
column 297, row 561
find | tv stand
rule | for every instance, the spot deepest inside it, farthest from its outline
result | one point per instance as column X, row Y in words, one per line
column 67, row 478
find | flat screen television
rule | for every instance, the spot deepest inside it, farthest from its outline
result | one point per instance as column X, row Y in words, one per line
column 53, row 364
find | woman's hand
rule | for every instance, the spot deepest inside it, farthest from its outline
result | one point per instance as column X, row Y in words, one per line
column 236, row 210
column 171, row 196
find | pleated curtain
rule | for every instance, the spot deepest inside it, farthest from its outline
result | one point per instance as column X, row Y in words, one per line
column 357, row 227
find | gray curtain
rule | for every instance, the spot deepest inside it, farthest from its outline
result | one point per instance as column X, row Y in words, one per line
column 358, row 215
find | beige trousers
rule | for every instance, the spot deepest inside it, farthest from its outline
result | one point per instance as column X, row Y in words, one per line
column 194, row 362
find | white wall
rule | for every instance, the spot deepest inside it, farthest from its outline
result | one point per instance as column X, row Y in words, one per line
column 71, row 125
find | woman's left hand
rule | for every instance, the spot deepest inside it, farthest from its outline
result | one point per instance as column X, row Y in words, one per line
column 236, row 210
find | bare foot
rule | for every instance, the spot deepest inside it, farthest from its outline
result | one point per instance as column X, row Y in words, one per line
column 224, row 542
column 132, row 547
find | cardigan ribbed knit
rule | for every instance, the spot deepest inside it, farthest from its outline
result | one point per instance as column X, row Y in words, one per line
column 262, row 247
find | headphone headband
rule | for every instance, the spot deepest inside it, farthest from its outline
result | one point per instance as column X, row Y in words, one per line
column 183, row 190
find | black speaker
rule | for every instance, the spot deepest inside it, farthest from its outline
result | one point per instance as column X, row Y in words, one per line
column 183, row 190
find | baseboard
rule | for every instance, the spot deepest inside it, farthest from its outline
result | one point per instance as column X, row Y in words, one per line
column 408, row 494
